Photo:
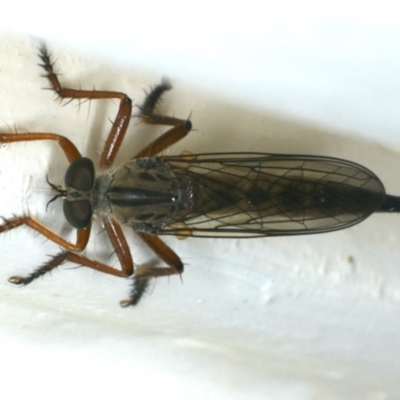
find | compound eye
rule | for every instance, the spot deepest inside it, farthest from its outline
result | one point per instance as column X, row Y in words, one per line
column 80, row 174
column 79, row 177
column 78, row 213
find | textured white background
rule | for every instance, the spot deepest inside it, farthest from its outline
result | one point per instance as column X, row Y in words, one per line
column 279, row 318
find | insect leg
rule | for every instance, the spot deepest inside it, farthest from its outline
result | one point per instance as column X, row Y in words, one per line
column 164, row 252
column 64, row 256
column 69, row 149
column 119, row 243
column 121, row 121
column 55, row 261
column 82, row 236
column 59, row 259
column 180, row 128
column 144, row 273
column 117, row 239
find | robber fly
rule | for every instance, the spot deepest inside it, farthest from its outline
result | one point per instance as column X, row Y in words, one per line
column 220, row 195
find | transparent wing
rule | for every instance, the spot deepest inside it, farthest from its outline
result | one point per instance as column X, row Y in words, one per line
column 255, row 194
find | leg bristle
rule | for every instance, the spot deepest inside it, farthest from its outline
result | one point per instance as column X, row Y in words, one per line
column 139, row 287
column 48, row 266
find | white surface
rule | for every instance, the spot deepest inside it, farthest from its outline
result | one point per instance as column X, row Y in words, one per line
column 279, row 318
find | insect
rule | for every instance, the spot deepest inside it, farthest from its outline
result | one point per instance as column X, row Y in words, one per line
column 220, row 195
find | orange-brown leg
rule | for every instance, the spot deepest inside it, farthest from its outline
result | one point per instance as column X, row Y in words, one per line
column 180, row 128
column 165, row 253
column 55, row 261
column 119, row 243
column 81, row 242
column 144, row 273
column 82, row 236
column 123, row 252
column 59, row 259
column 121, row 122
column 69, row 149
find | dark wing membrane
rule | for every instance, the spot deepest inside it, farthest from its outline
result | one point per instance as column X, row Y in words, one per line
column 255, row 194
